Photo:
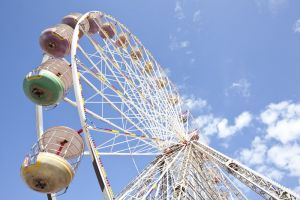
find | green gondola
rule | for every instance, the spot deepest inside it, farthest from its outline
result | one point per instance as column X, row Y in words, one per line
column 44, row 88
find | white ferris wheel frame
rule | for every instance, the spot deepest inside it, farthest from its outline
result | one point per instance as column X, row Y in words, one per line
column 245, row 174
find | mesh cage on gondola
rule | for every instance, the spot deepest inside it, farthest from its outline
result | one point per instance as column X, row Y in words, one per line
column 52, row 162
column 49, row 82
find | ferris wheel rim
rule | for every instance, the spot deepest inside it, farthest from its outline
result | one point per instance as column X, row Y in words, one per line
column 78, row 89
column 75, row 76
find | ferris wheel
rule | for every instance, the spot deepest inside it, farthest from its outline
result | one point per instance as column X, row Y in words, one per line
column 127, row 107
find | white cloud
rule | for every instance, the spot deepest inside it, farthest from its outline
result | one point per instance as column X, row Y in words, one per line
column 193, row 104
column 297, row 189
column 166, row 72
column 173, row 43
column 207, row 124
column 275, row 157
column 270, row 172
column 296, row 27
column 271, row 154
column 189, row 52
column 179, row 10
column 241, row 87
column 242, row 121
column 286, row 157
column 277, row 153
column 197, row 16
column 184, row 44
column 204, row 139
column 176, row 44
column 273, row 6
column 256, row 154
column 283, row 121
column 277, row 5
column 285, row 130
column 257, row 157
column 192, row 60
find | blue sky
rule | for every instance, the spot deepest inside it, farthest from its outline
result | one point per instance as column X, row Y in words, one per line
column 236, row 63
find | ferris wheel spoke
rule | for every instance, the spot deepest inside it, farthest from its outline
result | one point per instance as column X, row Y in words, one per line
column 120, row 148
column 114, row 106
column 101, row 146
column 122, row 57
column 96, row 116
column 144, row 184
column 124, row 154
column 105, row 82
column 98, row 70
column 149, row 57
column 99, row 49
column 128, row 191
column 137, row 144
column 230, row 185
column 161, row 175
column 124, row 134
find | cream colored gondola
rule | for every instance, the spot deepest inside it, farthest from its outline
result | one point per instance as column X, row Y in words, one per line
column 136, row 53
column 184, row 116
column 122, row 41
column 53, row 161
column 72, row 19
column 173, row 99
column 194, row 135
column 148, row 67
column 161, row 83
column 94, row 22
column 107, row 30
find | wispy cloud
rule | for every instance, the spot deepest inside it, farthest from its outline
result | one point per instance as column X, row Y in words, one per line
column 194, row 104
column 273, row 6
column 297, row 188
column 197, row 16
column 240, row 87
column 179, row 14
column 240, row 122
column 277, row 151
column 296, row 27
column 289, row 158
column 274, row 152
column 270, row 172
column 184, row 44
column 176, row 44
column 209, row 124
column 257, row 157
column 192, row 60
column 256, row 154
column 283, row 121
column 191, row 21
column 276, row 6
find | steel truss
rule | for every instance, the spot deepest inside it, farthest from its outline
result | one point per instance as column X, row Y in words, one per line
column 196, row 171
